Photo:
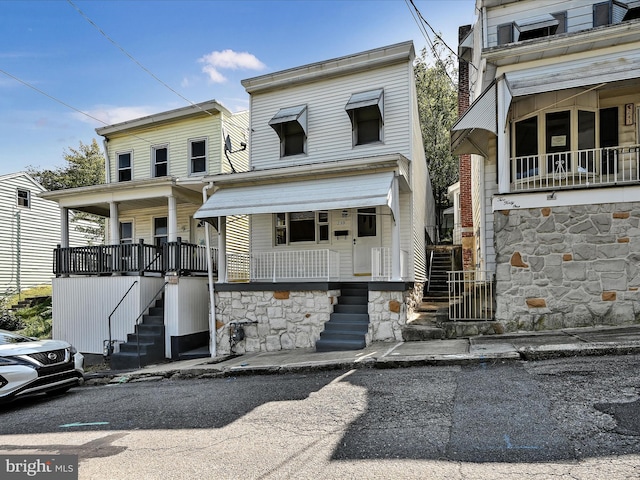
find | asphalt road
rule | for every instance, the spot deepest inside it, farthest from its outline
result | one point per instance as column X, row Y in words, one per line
column 568, row 418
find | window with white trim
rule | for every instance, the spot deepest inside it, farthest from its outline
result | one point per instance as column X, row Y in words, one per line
column 366, row 111
column 24, row 198
column 298, row 227
column 160, row 160
column 198, row 156
column 126, row 232
column 291, row 126
column 160, row 231
column 125, row 169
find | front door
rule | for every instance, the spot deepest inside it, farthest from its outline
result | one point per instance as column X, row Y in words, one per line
column 366, row 237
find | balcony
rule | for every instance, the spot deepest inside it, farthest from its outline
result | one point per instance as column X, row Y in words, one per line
column 578, row 169
column 135, row 258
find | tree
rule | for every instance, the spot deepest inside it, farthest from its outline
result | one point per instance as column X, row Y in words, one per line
column 85, row 167
column 438, row 111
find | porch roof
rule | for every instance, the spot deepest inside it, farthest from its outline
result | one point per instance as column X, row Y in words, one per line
column 353, row 191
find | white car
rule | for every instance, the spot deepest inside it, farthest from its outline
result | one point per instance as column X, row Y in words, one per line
column 29, row 366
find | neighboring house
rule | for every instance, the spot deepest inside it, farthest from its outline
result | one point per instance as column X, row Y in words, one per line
column 155, row 250
column 550, row 157
column 338, row 195
column 30, row 230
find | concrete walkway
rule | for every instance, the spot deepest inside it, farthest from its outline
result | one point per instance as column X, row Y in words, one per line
column 507, row 347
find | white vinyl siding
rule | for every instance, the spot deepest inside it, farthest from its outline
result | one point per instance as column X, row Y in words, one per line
column 329, row 127
column 237, row 127
column 579, row 15
column 29, row 236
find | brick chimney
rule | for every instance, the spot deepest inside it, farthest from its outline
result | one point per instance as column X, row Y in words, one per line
column 466, row 208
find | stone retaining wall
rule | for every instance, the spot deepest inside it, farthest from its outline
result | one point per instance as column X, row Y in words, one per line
column 389, row 312
column 572, row 266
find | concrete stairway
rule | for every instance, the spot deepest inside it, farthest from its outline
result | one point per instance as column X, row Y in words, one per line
column 349, row 323
column 149, row 337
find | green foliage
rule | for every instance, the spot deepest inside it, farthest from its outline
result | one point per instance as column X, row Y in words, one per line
column 37, row 320
column 438, row 110
column 85, row 167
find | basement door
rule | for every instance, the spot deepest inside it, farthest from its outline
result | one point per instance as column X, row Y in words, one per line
column 366, row 237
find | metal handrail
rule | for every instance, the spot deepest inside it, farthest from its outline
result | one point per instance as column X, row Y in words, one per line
column 109, row 348
column 429, row 274
column 138, row 318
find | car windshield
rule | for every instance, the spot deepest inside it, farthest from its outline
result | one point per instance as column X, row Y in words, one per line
column 10, row 337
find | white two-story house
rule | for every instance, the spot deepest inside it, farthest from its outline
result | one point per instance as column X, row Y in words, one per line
column 338, row 196
column 145, row 290
column 550, row 176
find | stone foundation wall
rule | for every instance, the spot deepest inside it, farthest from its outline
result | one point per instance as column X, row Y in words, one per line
column 285, row 319
column 389, row 311
column 560, row 267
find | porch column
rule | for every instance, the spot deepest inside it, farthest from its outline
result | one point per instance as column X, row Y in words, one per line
column 64, row 227
column 114, row 224
column 172, row 220
column 222, row 249
column 396, row 274
column 503, row 160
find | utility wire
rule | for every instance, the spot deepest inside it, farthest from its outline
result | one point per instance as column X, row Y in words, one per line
column 131, row 57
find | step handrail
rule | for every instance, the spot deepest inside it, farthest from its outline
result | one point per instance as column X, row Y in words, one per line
column 108, row 349
column 429, row 274
column 140, row 316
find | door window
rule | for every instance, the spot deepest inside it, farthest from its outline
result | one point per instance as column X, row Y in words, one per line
column 367, row 222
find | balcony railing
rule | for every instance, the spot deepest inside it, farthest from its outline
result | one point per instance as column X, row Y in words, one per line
column 581, row 169
column 381, row 269
column 278, row 266
column 140, row 258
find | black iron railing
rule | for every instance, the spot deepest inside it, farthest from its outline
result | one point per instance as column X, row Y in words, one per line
column 133, row 258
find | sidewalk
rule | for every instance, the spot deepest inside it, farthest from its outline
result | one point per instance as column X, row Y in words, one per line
column 507, row 347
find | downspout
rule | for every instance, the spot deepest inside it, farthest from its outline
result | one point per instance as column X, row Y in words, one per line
column 212, row 296
column 107, row 163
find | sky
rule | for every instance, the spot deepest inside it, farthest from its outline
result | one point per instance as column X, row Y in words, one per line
column 68, row 67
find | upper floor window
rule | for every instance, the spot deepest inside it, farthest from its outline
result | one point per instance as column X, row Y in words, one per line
column 124, row 167
column 530, row 28
column 301, row 227
column 291, row 126
column 366, row 111
column 198, row 156
column 602, row 14
column 24, row 198
column 160, row 158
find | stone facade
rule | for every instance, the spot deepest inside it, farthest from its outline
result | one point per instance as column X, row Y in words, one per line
column 569, row 266
column 284, row 319
column 389, row 312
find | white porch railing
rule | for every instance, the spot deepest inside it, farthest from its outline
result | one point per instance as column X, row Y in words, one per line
column 471, row 295
column 381, row 269
column 581, row 168
column 278, row 266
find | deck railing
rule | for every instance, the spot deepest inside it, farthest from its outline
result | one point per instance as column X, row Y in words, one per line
column 140, row 258
column 471, row 295
column 278, row 266
column 381, row 269
column 581, row 168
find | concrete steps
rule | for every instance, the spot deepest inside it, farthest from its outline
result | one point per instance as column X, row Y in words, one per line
column 349, row 323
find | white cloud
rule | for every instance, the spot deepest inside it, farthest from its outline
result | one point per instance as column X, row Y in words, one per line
column 111, row 115
column 228, row 60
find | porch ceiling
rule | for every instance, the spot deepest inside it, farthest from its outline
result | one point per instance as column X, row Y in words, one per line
column 351, row 191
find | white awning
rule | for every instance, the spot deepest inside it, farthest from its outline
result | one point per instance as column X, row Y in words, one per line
column 470, row 134
column 355, row 191
column 366, row 99
column 535, row 23
column 579, row 73
column 290, row 114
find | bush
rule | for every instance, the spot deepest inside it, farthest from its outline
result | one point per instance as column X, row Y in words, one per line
column 8, row 321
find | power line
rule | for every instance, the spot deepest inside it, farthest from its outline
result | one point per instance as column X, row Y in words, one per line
column 131, row 57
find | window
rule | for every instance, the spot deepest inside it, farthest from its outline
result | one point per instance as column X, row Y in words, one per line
column 366, row 110
column 297, row 227
column 160, row 157
column 558, row 142
column 526, row 148
column 505, row 33
column 126, row 232
column 601, row 14
column 609, row 138
column 124, row 167
column 160, row 231
column 198, row 156
column 291, row 126
column 24, row 198
column 367, row 222
column 586, row 140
